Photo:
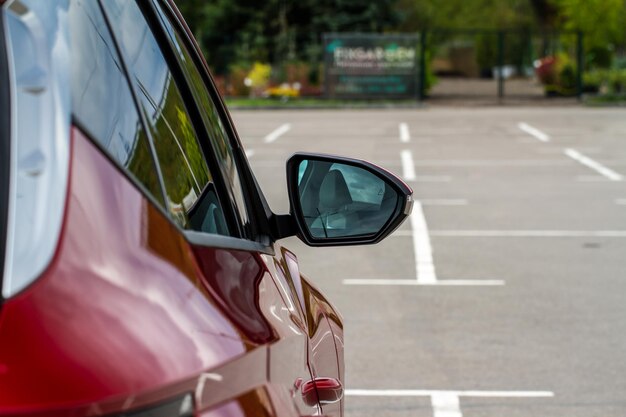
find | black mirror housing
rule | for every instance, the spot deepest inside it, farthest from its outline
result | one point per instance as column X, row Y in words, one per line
column 338, row 201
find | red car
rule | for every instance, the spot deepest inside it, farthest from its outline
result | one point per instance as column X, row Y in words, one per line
column 139, row 267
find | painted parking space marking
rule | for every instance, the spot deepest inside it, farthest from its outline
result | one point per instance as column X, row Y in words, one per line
column 273, row 136
column 445, row 202
column 485, row 163
column 448, row 403
column 534, row 132
column 408, row 170
column 408, row 166
column 555, row 150
column 575, row 155
column 596, row 166
column 519, row 233
column 621, row 201
column 428, row 393
column 250, row 153
column 414, row 283
column 591, row 178
column 405, row 135
column 425, row 272
column 432, row 178
column 424, row 264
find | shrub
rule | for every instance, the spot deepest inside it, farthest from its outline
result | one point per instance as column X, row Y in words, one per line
column 259, row 75
column 557, row 74
column 617, row 81
column 283, row 91
column 612, row 81
column 237, row 81
column 594, row 80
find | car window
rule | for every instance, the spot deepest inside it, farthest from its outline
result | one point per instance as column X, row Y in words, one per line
column 210, row 116
column 192, row 198
column 112, row 120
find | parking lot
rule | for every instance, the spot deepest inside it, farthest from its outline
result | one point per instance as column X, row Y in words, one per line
column 505, row 293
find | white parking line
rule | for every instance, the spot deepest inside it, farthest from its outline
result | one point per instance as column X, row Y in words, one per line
column 250, row 153
column 445, row 202
column 414, row 283
column 432, row 178
column 405, row 135
column 424, row 265
column 480, row 163
column 591, row 178
column 621, row 201
column 538, row 134
column 596, row 166
column 429, row 393
column 519, row 233
column 408, row 167
column 447, row 403
column 277, row 133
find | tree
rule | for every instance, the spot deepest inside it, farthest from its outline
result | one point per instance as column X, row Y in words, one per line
column 243, row 31
column 546, row 13
column 602, row 21
column 451, row 14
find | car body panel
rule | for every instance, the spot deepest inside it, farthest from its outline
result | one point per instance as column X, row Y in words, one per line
column 326, row 336
column 120, row 306
column 131, row 314
column 135, row 313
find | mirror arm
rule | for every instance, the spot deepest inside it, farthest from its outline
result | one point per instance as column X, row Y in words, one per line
column 282, row 226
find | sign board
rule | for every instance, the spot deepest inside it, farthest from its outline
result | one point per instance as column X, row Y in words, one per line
column 371, row 66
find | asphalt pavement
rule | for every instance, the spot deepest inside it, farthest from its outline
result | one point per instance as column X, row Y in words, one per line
column 505, row 293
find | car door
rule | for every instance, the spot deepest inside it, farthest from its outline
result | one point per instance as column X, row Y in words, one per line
column 312, row 313
column 204, row 196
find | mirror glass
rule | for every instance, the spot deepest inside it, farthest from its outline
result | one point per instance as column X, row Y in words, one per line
column 340, row 200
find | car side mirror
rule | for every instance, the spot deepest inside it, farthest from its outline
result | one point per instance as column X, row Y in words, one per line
column 339, row 201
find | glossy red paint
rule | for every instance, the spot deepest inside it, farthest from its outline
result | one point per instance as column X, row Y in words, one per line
column 326, row 335
column 324, row 390
column 119, row 308
column 250, row 297
column 128, row 314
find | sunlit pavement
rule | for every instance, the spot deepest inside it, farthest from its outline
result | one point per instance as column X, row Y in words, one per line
column 506, row 294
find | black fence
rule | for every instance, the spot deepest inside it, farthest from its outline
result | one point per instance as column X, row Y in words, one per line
column 501, row 63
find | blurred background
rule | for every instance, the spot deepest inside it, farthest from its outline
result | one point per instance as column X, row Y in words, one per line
column 278, row 51
column 504, row 293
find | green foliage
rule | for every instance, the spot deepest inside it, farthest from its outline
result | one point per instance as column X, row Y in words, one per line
column 566, row 72
column 593, row 80
column 236, row 80
column 560, row 76
column 234, row 34
column 606, row 81
column 486, row 51
column 600, row 56
column 245, row 31
column 619, row 62
column 259, row 75
column 490, row 14
column 567, row 78
column 430, row 79
column 602, row 21
column 617, row 81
